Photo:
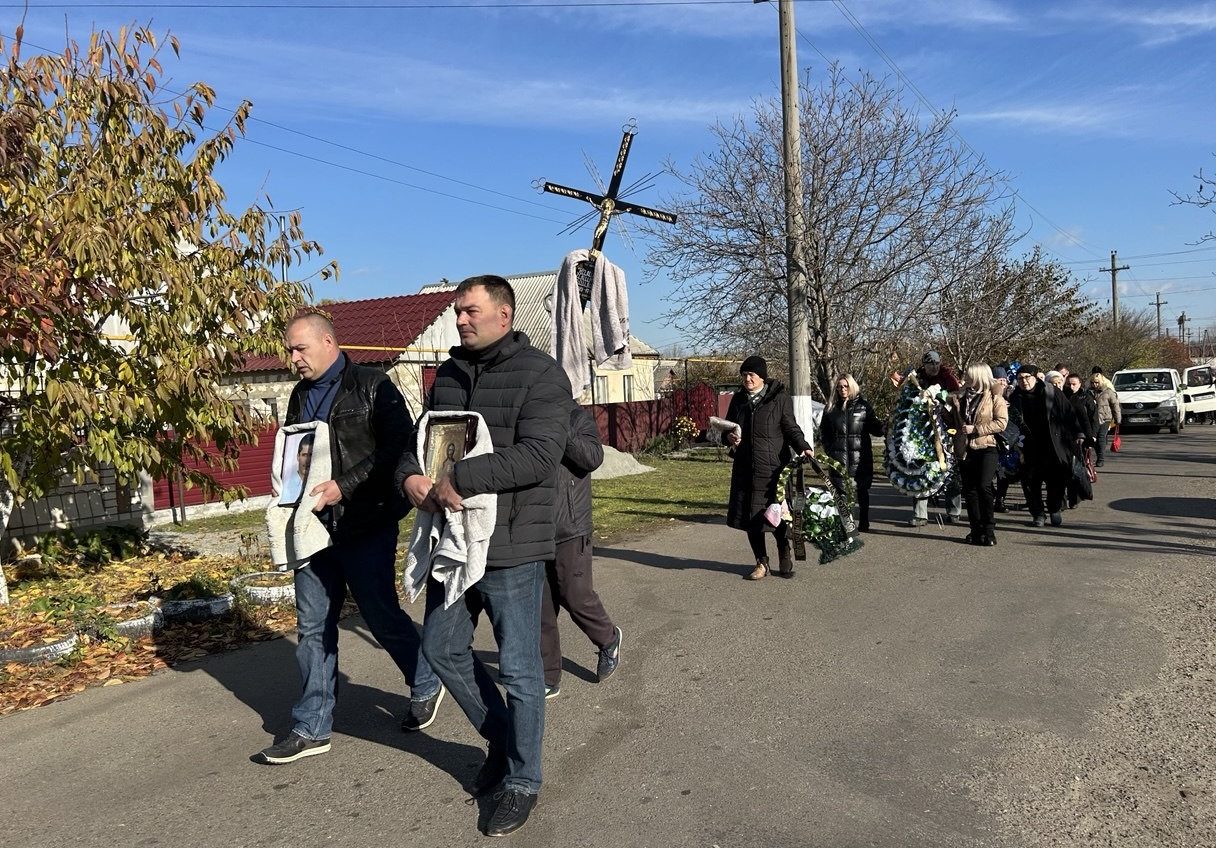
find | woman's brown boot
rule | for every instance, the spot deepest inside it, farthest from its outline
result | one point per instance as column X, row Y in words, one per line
column 760, row 571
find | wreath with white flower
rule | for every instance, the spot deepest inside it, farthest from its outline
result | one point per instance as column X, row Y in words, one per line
column 824, row 513
column 917, row 454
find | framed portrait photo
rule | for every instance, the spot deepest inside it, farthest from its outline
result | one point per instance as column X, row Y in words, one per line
column 447, row 442
column 297, row 462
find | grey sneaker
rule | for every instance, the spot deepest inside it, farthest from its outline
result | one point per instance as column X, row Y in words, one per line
column 552, row 692
column 1038, row 521
column 294, row 747
column 423, row 711
column 610, row 658
column 917, row 522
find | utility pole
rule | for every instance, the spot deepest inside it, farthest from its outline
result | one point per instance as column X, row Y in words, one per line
column 1114, row 286
column 795, row 271
column 1159, row 303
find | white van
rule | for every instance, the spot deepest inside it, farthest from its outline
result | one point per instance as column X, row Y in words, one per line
column 1151, row 397
column 1200, row 393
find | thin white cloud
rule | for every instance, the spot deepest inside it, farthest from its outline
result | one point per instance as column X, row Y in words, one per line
column 1069, row 117
column 1157, row 25
column 421, row 89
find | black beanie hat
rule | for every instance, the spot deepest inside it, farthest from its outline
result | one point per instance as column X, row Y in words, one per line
column 756, row 365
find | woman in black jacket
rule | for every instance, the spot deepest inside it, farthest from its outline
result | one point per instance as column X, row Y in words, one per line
column 766, row 441
column 848, row 423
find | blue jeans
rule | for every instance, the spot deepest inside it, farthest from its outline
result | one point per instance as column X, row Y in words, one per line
column 510, row 598
column 365, row 564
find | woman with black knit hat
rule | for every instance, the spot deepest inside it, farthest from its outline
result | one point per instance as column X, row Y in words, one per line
column 766, row 441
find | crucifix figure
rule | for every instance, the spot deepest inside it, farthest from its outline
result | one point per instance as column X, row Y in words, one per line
column 608, row 204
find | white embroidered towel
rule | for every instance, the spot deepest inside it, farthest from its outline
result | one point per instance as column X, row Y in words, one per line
column 451, row 546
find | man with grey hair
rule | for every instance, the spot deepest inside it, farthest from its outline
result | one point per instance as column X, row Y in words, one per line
column 361, row 507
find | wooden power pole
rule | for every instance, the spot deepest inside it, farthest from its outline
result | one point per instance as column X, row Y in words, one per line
column 795, row 227
column 1114, row 286
column 1159, row 303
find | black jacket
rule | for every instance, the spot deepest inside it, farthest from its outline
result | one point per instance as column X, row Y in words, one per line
column 769, row 438
column 845, row 435
column 369, row 426
column 1049, row 424
column 1086, row 409
column 584, row 453
column 524, row 398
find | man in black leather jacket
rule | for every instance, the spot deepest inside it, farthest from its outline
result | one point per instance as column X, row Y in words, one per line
column 361, row 506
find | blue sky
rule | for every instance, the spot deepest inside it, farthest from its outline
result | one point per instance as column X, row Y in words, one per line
column 1094, row 110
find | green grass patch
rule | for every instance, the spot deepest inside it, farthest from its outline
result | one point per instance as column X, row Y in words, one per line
column 253, row 519
column 677, row 488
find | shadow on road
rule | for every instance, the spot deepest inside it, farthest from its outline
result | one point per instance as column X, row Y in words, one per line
column 678, row 563
column 265, row 678
column 1169, row 507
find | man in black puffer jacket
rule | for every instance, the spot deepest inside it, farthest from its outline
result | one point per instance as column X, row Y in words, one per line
column 361, row 507
column 569, row 573
column 524, row 398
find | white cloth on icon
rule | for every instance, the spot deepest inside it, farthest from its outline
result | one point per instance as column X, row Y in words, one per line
column 452, row 546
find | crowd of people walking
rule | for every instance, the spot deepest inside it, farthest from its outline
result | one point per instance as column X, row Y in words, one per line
column 1011, row 423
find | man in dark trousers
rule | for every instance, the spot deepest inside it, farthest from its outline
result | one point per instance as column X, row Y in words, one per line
column 524, row 398
column 361, row 507
column 569, row 573
column 1050, row 427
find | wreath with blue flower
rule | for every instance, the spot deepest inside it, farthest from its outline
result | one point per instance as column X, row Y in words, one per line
column 917, row 454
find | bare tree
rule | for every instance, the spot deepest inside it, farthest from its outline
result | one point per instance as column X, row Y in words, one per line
column 889, row 194
column 1009, row 309
column 1204, row 198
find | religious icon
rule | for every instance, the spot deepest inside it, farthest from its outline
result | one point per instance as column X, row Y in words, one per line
column 447, row 442
column 297, row 460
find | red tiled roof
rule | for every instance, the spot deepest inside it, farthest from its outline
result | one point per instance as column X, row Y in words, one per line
column 385, row 324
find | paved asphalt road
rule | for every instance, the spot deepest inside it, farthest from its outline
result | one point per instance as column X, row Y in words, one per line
column 918, row 693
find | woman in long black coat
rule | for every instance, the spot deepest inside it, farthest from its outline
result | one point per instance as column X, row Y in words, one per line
column 768, row 437
column 848, row 423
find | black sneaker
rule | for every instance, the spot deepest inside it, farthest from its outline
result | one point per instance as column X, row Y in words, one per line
column 553, row 691
column 1056, row 519
column 491, row 774
column 610, row 657
column 952, row 519
column 294, row 747
column 423, row 711
column 512, row 812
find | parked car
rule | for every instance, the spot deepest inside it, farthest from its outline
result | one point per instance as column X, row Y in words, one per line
column 1151, row 397
column 1199, row 392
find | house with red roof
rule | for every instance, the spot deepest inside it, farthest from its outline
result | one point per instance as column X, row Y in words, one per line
column 407, row 336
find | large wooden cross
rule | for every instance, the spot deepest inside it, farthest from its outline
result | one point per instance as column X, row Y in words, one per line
column 608, row 204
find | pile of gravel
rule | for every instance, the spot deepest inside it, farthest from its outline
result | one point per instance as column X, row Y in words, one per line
column 617, row 464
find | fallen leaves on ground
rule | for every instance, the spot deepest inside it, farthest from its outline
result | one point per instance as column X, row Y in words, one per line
column 98, row 662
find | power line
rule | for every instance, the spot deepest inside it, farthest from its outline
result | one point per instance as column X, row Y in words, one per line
column 396, row 7
column 374, row 175
column 1147, row 256
column 1173, row 291
column 874, row 45
column 341, row 146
